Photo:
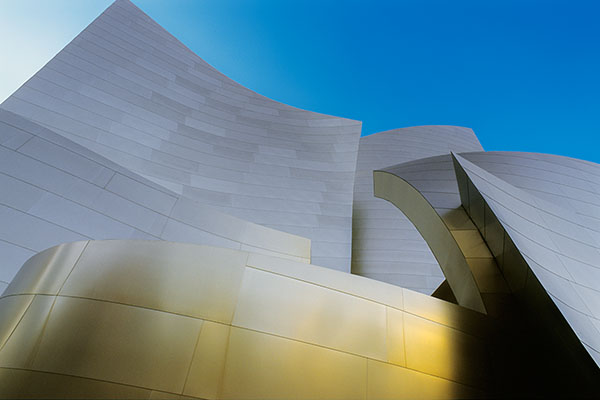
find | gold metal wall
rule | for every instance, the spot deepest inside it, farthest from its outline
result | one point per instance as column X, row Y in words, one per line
column 147, row 319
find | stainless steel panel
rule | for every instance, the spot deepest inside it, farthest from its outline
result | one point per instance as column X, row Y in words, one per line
column 270, row 367
column 172, row 277
column 309, row 313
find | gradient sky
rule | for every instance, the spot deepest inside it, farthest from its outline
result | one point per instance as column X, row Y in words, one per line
column 524, row 74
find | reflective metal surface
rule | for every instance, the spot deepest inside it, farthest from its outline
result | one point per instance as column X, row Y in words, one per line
column 505, row 257
column 174, row 280
column 534, row 265
column 135, row 314
column 390, row 382
column 158, row 319
column 439, row 238
column 385, row 244
column 126, row 134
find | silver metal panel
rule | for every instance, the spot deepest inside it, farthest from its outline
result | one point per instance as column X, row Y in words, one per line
column 127, row 90
column 55, row 191
column 545, row 238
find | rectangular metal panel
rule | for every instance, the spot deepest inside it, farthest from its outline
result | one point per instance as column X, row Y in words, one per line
column 368, row 288
column 206, row 371
column 261, row 366
column 471, row 243
column 173, row 279
column 132, row 345
column 445, row 313
column 21, row 348
column 45, row 273
column 11, row 311
column 310, row 313
column 391, row 382
column 395, row 337
column 441, row 351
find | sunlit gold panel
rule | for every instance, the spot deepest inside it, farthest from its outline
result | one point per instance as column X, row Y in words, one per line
column 206, row 370
column 297, row 333
column 441, row 351
column 262, row 366
column 116, row 343
column 21, row 348
column 344, row 282
column 395, row 337
column 11, row 310
column 299, row 310
column 187, row 279
column 46, row 272
column 445, row 313
column 392, row 382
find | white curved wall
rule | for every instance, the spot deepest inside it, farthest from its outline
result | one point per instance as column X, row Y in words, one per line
column 386, row 246
column 567, row 182
column 53, row 191
column 129, row 91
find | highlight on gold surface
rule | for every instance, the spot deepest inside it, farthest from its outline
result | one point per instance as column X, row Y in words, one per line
column 127, row 134
column 147, row 318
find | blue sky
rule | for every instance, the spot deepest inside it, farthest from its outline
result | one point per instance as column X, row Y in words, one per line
column 525, row 75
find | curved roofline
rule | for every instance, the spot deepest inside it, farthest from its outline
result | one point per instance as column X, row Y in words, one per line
column 222, row 74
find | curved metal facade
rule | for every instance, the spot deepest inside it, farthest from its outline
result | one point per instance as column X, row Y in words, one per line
column 128, row 135
column 558, row 245
column 228, row 324
column 55, row 191
column 127, row 90
column 385, row 244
